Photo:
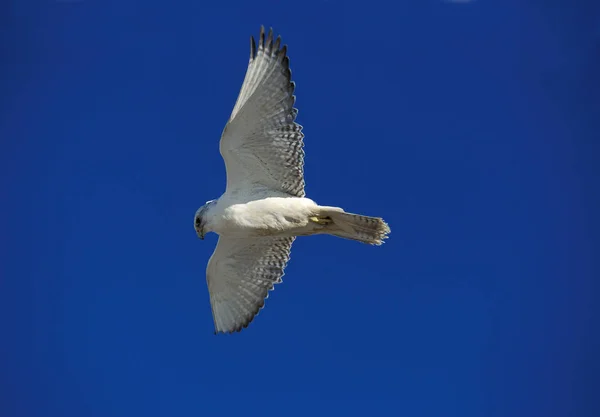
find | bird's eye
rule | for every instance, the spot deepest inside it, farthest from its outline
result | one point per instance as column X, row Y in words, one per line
column 197, row 221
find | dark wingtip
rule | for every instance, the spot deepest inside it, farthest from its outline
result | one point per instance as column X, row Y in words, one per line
column 286, row 63
column 261, row 38
column 277, row 43
column 283, row 53
column 252, row 48
column 269, row 43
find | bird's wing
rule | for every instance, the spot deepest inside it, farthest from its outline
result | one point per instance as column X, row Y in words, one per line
column 240, row 274
column 261, row 143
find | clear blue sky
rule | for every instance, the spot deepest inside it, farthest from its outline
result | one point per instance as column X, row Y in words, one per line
column 472, row 128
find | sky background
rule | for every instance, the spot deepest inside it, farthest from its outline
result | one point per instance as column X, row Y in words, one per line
column 471, row 127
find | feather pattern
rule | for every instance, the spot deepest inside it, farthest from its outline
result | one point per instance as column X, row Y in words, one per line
column 261, row 144
column 240, row 274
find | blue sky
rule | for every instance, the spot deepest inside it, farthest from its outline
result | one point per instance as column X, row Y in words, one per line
column 472, row 128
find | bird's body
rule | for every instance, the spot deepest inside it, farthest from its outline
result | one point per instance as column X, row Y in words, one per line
column 264, row 206
column 282, row 216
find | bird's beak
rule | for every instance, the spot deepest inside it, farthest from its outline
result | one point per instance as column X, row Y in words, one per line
column 201, row 234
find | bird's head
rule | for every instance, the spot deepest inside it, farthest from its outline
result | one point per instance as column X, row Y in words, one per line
column 200, row 219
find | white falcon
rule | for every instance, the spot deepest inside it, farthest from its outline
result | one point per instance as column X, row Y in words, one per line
column 264, row 206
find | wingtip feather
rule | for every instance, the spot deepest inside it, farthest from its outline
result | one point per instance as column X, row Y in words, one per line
column 252, row 48
column 277, row 43
column 282, row 53
column 261, row 38
column 269, row 43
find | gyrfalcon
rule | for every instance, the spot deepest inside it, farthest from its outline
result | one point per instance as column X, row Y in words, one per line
column 264, row 206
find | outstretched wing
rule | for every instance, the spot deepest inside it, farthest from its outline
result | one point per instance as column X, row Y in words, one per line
column 240, row 274
column 261, row 143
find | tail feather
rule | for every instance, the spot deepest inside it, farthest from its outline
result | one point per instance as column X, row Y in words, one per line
column 370, row 230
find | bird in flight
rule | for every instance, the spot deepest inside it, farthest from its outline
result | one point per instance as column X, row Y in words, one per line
column 264, row 206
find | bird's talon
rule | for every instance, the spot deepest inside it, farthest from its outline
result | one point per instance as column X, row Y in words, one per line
column 321, row 220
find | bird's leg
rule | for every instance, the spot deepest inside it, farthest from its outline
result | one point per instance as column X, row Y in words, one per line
column 321, row 220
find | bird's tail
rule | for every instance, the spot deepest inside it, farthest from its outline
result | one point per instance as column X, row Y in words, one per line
column 370, row 230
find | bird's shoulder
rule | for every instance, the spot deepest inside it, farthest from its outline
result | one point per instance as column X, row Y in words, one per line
column 246, row 193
